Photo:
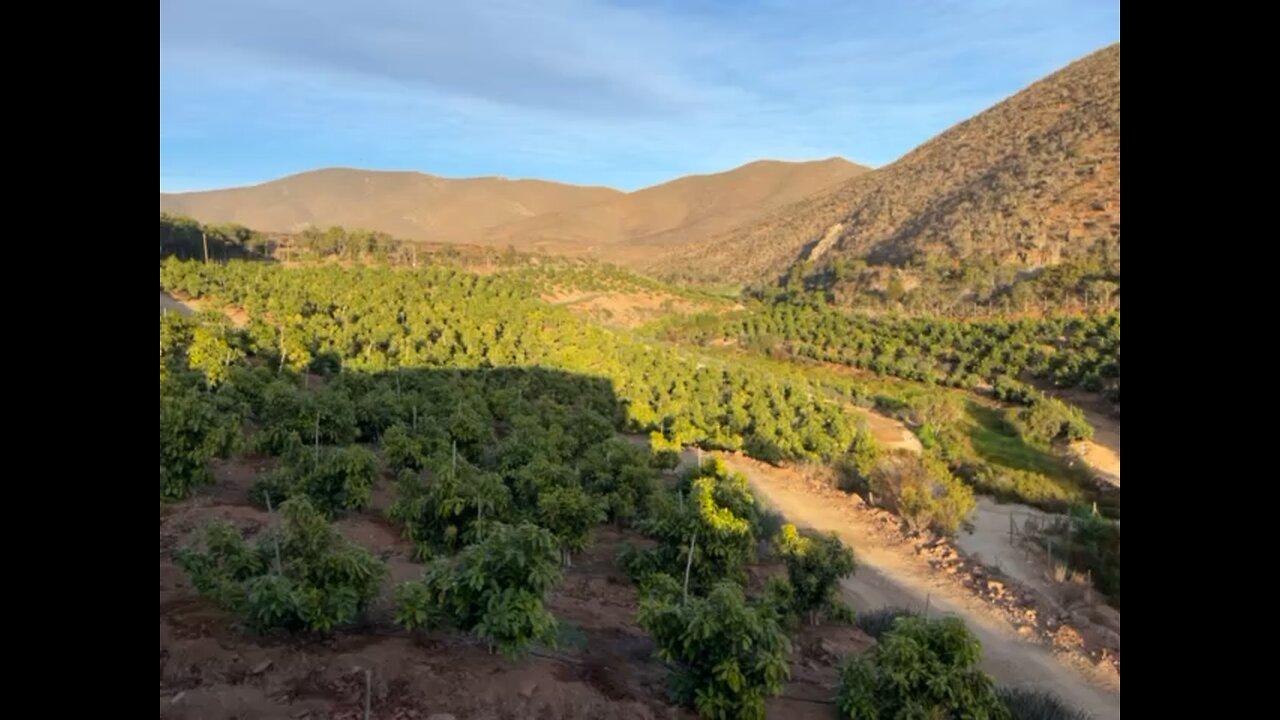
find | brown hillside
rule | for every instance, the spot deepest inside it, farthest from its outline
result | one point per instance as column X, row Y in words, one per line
column 404, row 204
column 633, row 227
column 1032, row 181
column 527, row 214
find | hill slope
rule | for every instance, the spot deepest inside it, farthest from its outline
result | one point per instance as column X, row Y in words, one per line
column 404, row 204
column 1034, row 180
column 527, row 214
column 632, row 227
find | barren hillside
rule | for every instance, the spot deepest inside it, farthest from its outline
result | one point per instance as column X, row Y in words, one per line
column 632, row 227
column 408, row 205
column 1033, row 181
column 527, row 214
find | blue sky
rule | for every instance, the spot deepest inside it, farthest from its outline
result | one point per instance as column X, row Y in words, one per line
column 625, row 93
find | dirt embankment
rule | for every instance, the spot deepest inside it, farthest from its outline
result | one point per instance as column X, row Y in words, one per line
column 1025, row 643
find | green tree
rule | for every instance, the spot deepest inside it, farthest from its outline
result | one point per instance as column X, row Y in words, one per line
column 569, row 513
column 922, row 490
column 730, row 657
column 192, row 431
column 494, row 589
column 815, row 566
column 211, row 350
column 304, row 577
column 920, row 669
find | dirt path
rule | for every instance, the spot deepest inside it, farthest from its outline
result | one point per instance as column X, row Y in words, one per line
column 168, row 303
column 990, row 542
column 187, row 306
column 889, row 576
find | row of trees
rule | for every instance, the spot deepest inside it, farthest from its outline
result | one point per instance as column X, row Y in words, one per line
column 1067, row 351
column 326, row 319
column 503, row 473
column 982, row 285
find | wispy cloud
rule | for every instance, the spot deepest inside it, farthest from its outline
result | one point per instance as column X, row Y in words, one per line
column 621, row 93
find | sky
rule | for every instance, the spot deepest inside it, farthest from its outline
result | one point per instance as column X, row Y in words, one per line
column 624, row 93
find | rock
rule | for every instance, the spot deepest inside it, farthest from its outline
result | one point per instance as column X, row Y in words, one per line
column 178, row 697
column 828, row 648
column 995, row 586
column 261, row 667
column 527, row 688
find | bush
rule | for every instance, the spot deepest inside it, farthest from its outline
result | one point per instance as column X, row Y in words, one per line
column 1023, row 486
column 878, row 622
column 815, row 565
column 493, row 589
column 452, row 508
column 334, row 479
column 305, row 577
column 716, row 514
column 921, row 668
column 192, row 431
column 1049, row 419
column 922, row 490
column 1038, row 705
column 569, row 513
column 622, row 476
column 731, row 657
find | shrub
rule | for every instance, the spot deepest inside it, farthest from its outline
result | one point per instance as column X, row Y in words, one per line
column 569, row 513
column 815, row 565
column 707, row 513
column 878, row 622
column 731, row 657
column 1049, row 419
column 305, row 577
column 1038, row 705
column 922, row 490
column 192, row 431
column 921, row 668
column 493, row 589
column 334, row 479
column 452, row 508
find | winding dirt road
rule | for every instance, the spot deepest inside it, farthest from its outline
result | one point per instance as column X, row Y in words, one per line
column 887, row 577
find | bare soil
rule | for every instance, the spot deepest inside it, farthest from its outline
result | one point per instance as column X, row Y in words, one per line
column 1027, row 641
column 211, row 667
column 623, row 309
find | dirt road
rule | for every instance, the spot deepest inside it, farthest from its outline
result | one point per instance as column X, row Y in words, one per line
column 888, row 576
column 168, row 303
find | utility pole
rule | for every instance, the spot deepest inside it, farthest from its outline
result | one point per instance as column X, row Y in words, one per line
column 204, row 238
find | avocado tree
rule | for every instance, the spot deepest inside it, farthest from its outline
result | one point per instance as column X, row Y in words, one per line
column 921, row 668
column 569, row 513
column 815, row 564
column 730, row 656
column 494, row 589
column 304, row 577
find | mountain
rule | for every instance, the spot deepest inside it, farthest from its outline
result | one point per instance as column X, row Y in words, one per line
column 1033, row 181
column 631, row 228
column 403, row 204
column 526, row 214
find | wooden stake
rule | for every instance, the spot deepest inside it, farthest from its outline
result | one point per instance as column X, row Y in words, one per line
column 368, row 692
column 279, row 565
column 204, row 238
column 689, row 564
